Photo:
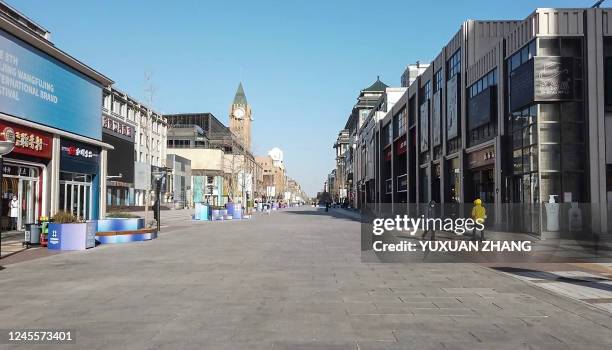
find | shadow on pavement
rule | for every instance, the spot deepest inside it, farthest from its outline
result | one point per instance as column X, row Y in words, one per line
column 335, row 213
column 591, row 282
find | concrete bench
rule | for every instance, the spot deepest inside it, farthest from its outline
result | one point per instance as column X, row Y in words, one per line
column 112, row 237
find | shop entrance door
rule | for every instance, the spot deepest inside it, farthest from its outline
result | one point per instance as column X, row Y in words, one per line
column 20, row 181
column 75, row 197
column 28, row 197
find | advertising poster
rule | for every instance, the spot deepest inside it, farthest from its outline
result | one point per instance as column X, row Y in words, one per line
column 452, row 105
column 38, row 88
column 424, row 126
column 436, row 119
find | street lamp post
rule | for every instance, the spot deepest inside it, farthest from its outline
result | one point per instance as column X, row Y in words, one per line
column 158, row 181
column 7, row 143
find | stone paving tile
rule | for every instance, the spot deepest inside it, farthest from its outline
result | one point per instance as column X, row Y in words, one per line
column 291, row 280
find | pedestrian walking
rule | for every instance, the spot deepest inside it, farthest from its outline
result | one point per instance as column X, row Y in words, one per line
column 479, row 213
column 326, row 206
column 430, row 214
column 14, row 212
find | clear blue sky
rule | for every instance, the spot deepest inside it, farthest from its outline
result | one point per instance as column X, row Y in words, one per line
column 302, row 62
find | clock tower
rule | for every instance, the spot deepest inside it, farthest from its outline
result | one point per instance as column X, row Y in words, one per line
column 240, row 118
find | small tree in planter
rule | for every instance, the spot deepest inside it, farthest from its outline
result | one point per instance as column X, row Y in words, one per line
column 68, row 232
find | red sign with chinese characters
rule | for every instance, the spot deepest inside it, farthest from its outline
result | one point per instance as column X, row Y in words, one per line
column 388, row 154
column 400, row 146
column 29, row 141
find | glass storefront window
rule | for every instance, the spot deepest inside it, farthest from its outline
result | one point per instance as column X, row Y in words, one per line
column 550, row 185
column 530, row 135
column 550, row 157
column 573, row 157
column 571, row 112
column 517, row 140
column 75, row 194
column 571, row 47
column 573, row 182
column 530, row 159
column 550, row 133
column 549, row 112
column 572, row 133
column 526, row 188
column 517, row 161
column 549, row 47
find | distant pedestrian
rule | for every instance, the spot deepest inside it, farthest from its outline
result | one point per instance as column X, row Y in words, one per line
column 327, row 204
column 430, row 214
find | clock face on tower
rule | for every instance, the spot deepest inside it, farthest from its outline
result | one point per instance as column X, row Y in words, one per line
column 238, row 113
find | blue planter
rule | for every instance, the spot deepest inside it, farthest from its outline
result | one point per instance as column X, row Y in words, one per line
column 201, row 211
column 119, row 224
column 235, row 210
column 72, row 236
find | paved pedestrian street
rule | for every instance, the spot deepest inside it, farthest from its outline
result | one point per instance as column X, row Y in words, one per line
column 290, row 280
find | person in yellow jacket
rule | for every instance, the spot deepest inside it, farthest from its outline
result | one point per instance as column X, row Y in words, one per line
column 479, row 213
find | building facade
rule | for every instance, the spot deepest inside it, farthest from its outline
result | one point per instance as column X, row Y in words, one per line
column 274, row 175
column 341, row 186
column 50, row 103
column 508, row 112
column 222, row 168
column 138, row 135
column 179, row 194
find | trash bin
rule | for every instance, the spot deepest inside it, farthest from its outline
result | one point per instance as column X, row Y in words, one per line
column 35, row 234
column 31, row 234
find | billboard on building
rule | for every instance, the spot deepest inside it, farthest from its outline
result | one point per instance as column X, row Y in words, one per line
column 542, row 79
column 142, row 176
column 37, row 87
column 452, row 106
column 553, row 78
column 436, row 119
column 120, row 159
column 424, row 126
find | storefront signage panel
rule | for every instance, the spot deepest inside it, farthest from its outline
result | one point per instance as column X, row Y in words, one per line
column 481, row 158
column 452, row 108
column 30, row 142
column 117, row 128
column 36, row 87
column 480, row 108
column 78, row 157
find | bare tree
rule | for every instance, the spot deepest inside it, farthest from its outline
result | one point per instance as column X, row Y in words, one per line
column 145, row 129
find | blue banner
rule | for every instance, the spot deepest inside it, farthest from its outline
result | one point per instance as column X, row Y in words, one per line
column 37, row 87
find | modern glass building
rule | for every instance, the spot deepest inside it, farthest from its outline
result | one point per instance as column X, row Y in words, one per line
column 510, row 112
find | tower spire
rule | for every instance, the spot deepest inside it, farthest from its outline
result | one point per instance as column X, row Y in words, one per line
column 240, row 97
